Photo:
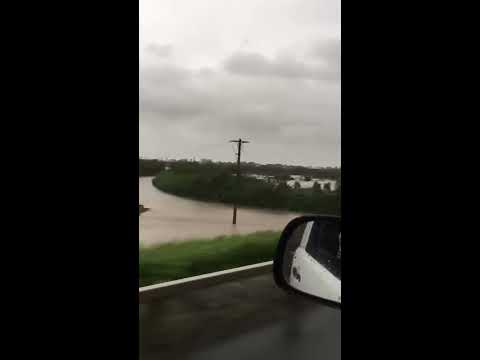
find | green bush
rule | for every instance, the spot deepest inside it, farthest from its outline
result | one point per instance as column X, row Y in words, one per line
column 226, row 188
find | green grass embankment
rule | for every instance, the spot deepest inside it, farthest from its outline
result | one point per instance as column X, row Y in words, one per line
column 195, row 257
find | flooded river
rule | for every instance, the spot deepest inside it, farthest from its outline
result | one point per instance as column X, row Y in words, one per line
column 172, row 218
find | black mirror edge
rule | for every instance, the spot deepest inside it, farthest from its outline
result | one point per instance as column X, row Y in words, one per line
column 278, row 258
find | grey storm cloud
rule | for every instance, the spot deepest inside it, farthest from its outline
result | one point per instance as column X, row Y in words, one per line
column 164, row 75
column 164, row 50
column 330, row 52
column 328, row 49
column 265, row 107
column 214, row 71
column 255, row 64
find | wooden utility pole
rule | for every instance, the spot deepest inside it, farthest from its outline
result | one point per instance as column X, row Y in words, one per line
column 239, row 152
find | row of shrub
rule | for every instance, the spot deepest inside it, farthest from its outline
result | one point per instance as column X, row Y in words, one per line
column 246, row 191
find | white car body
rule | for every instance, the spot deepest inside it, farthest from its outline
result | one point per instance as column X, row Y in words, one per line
column 312, row 277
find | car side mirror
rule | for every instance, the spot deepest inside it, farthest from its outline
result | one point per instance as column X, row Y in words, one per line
column 308, row 258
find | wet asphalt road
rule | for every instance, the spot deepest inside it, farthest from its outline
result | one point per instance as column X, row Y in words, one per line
column 250, row 319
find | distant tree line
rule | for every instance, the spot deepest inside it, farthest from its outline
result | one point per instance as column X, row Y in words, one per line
column 246, row 191
column 150, row 167
column 280, row 172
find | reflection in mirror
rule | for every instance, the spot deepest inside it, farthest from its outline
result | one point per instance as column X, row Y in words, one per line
column 309, row 257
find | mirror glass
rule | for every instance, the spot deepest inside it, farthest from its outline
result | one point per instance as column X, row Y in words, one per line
column 309, row 257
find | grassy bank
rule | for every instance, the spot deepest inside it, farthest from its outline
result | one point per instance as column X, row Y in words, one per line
column 224, row 187
column 183, row 259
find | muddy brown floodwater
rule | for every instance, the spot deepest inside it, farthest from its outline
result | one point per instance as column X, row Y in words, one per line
column 172, row 218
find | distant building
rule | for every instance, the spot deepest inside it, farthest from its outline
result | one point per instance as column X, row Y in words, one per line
column 309, row 184
column 300, row 179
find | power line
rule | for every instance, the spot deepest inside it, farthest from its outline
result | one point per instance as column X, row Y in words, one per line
column 239, row 153
column 234, row 151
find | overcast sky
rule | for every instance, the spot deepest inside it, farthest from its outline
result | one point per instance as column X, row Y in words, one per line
column 267, row 71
